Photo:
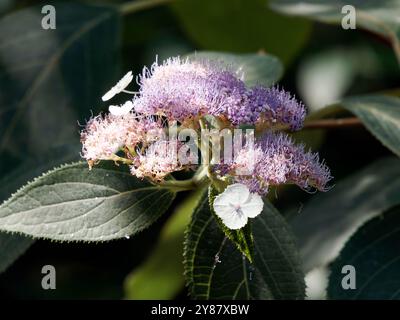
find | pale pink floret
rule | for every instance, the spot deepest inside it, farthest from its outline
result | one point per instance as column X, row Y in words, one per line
column 105, row 135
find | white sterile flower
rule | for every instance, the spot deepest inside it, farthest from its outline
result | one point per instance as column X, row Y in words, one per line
column 121, row 110
column 119, row 87
column 236, row 204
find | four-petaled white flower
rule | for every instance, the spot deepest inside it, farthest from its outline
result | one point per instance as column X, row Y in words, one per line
column 236, row 204
column 121, row 110
column 119, row 87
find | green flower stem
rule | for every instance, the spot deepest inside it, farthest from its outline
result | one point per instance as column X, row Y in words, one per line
column 116, row 158
column 199, row 180
column 202, row 124
column 219, row 184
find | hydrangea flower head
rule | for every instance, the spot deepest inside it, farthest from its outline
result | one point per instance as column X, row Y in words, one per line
column 190, row 93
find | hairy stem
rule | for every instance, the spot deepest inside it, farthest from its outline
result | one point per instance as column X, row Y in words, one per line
column 116, row 158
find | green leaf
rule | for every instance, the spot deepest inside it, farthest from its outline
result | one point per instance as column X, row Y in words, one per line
column 215, row 269
column 242, row 238
column 381, row 116
column 74, row 203
column 329, row 219
column 374, row 253
column 379, row 16
column 241, row 26
column 51, row 78
column 149, row 281
column 263, row 69
column 11, row 247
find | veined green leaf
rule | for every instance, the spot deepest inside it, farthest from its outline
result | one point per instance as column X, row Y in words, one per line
column 74, row 203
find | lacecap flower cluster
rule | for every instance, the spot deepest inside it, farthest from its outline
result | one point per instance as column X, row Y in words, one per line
column 183, row 92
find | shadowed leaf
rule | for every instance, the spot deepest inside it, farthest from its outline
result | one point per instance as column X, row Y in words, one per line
column 215, row 269
column 373, row 251
column 329, row 219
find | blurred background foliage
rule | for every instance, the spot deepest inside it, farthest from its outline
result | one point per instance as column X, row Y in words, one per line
column 52, row 79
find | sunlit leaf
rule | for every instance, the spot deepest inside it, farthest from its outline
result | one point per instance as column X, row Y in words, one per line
column 74, row 203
